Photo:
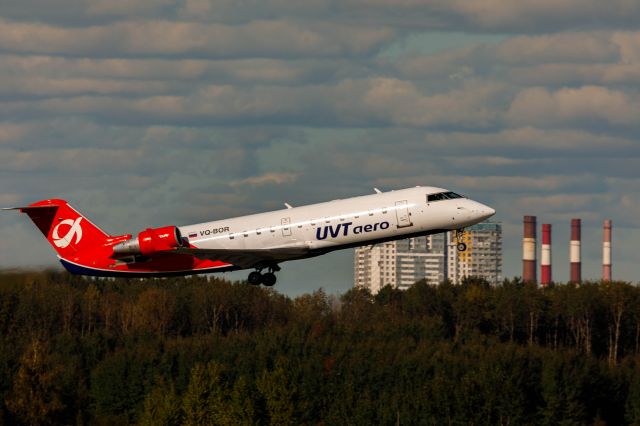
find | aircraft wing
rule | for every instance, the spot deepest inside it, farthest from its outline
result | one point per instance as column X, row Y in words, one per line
column 247, row 258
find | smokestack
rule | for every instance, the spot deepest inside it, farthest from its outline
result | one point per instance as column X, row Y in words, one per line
column 606, row 251
column 529, row 250
column 574, row 251
column 545, row 255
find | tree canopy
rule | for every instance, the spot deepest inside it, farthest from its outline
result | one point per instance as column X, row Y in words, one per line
column 200, row 351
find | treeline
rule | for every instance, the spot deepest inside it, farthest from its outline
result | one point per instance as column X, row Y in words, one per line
column 201, row 351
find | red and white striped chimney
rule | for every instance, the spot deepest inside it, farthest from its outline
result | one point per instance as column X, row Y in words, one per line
column 606, row 251
column 545, row 255
column 529, row 250
column 574, row 252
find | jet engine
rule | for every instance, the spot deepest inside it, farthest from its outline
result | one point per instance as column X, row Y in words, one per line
column 150, row 241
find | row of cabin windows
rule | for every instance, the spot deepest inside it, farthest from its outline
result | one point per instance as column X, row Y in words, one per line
column 313, row 223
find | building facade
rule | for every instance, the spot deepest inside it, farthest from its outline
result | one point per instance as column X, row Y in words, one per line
column 401, row 263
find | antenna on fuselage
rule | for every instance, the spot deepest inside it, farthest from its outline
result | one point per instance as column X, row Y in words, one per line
column 377, row 190
column 288, row 205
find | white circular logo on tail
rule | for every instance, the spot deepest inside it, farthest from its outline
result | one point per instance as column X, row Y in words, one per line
column 75, row 230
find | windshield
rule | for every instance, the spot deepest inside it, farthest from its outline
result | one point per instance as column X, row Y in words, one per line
column 442, row 196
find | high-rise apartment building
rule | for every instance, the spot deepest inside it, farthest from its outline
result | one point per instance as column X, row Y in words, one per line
column 483, row 257
column 401, row 263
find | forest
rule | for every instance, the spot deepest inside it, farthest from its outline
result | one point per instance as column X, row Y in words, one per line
column 204, row 351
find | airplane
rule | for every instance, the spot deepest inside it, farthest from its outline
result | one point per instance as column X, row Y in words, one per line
column 259, row 241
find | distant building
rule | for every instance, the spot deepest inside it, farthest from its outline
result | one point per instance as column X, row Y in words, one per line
column 483, row 257
column 401, row 263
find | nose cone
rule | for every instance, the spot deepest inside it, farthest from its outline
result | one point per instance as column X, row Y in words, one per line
column 486, row 212
column 482, row 212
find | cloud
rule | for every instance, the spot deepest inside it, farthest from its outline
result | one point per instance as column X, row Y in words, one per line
column 213, row 109
column 539, row 106
column 349, row 102
column 558, row 59
column 459, row 15
column 572, row 48
column 530, row 16
column 162, row 38
column 266, row 179
column 10, row 132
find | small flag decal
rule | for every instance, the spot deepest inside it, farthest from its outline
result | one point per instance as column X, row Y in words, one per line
column 193, row 235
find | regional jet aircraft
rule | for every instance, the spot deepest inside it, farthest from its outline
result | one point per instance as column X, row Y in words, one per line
column 259, row 241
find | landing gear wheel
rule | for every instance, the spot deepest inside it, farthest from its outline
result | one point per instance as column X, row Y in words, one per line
column 461, row 246
column 269, row 279
column 255, row 278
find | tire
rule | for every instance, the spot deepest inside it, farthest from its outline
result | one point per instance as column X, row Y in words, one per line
column 255, row 278
column 269, row 279
column 461, row 247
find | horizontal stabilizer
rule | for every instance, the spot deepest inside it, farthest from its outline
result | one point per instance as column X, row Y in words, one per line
column 51, row 206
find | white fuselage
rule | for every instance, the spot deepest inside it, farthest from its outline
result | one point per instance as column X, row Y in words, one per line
column 341, row 223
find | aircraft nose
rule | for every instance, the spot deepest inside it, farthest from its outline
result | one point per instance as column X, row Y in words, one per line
column 480, row 211
column 486, row 211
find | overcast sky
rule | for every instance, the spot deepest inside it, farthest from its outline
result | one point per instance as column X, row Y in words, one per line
column 155, row 112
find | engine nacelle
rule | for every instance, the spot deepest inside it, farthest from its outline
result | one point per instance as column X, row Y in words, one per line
column 150, row 241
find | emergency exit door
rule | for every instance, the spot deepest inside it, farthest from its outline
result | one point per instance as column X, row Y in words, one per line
column 286, row 226
column 402, row 214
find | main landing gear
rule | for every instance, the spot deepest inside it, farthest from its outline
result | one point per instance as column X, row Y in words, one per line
column 461, row 246
column 268, row 278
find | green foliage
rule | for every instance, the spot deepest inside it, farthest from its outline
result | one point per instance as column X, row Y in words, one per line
column 162, row 406
column 279, row 393
column 201, row 351
column 36, row 396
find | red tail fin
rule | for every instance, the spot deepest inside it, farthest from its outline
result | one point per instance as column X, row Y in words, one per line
column 66, row 230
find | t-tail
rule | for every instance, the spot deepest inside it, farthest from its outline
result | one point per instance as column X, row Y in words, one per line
column 74, row 237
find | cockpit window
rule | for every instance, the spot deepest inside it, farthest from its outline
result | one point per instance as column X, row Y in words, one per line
column 442, row 196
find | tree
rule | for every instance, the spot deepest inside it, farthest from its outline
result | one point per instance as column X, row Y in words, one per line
column 279, row 392
column 161, row 406
column 617, row 297
column 239, row 407
column 36, row 395
column 154, row 311
column 202, row 398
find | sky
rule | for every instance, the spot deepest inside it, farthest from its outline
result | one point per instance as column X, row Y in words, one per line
column 155, row 112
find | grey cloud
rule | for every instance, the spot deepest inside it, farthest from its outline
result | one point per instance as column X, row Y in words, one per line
column 559, row 59
column 83, row 12
column 180, row 75
column 531, row 16
column 562, row 107
column 293, row 103
column 279, row 38
column 376, row 101
column 494, row 15
column 572, row 48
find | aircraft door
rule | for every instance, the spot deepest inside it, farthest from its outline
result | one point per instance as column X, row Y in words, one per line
column 286, row 226
column 402, row 214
